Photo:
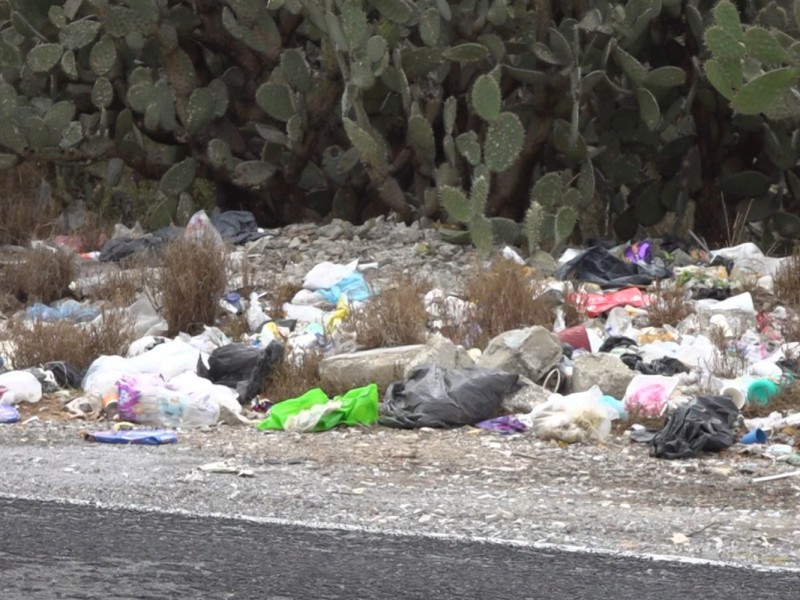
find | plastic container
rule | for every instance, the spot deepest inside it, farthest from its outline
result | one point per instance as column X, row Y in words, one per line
column 761, row 391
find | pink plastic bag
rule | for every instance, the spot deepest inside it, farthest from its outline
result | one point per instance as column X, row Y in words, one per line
column 648, row 400
column 597, row 304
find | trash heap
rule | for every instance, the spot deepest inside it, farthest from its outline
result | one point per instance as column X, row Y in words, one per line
column 697, row 385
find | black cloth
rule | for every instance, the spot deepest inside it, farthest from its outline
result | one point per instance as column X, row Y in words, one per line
column 237, row 226
column 120, row 248
column 616, row 341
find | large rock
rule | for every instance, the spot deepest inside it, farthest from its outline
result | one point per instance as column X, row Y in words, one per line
column 381, row 366
column 528, row 396
column 441, row 352
column 531, row 352
column 604, row 370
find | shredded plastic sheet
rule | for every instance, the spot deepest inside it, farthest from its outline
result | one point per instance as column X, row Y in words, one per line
column 314, row 411
column 145, row 437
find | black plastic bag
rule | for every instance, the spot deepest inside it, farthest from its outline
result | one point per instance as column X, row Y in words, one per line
column 117, row 249
column 437, row 397
column 667, row 366
column 598, row 265
column 65, row 374
column 616, row 341
column 237, row 226
column 703, row 425
column 241, row 367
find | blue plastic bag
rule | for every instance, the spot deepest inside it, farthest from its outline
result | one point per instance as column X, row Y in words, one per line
column 354, row 287
column 147, row 437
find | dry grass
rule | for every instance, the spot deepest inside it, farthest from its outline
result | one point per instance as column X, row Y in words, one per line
column 786, row 282
column 291, row 378
column 118, row 287
column 38, row 342
column 394, row 317
column 669, row 305
column 43, row 275
column 729, row 361
column 574, row 306
column 637, row 417
column 190, row 282
column 234, row 326
column 505, row 296
column 786, row 400
column 278, row 295
column 22, row 216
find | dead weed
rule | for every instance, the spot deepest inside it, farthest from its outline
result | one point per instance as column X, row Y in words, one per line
column 41, row 275
column 669, row 305
column 294, row 377
column 786, row 281
column 22, row 216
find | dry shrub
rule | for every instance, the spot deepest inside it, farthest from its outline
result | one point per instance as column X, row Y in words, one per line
column 786, row 281
column 234, row 326
column 279, row 295
column 394, row 317
column 669, row 305
column 42, row 275
column 636, row 416
column 38, row 342
column 574, row 306
column 22, row 216
column 294, row 377
column 190, row 282
column 506, row 296
column 118, row 287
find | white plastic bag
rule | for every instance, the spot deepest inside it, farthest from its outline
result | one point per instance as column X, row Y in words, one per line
column 327, row 274
column 20, row 386
column 580, row 417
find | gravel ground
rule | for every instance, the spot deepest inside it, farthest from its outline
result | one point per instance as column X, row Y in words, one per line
column 463, row 482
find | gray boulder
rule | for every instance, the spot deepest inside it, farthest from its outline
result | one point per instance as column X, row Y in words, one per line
column 604, row 370
column 531, row 352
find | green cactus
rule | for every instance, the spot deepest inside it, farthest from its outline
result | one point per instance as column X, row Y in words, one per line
column 178, row 178
column 276, row 100
column 504, row 141
column 486, row 99
column 200, row 111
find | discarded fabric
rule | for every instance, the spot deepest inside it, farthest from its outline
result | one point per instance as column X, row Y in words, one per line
column 237, row 226
column 598, row 265
column 145, row 437
column 433, row 396
column 314, row 411
column 703, row 425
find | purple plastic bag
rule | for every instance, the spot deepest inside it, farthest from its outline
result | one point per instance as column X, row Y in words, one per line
column 639, row 252
column 505, row 424
column 8, row 413
column 147, row 437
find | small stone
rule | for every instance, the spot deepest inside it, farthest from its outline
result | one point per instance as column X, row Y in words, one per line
column 426, row 518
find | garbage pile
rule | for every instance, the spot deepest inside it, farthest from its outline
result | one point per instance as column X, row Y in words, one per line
column 683, row 389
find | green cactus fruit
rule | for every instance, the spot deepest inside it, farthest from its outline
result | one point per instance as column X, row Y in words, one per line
column 57, row 16
column 68, row 65
column 39, row 134
column 419, row 136
column 450, row 112
column 430, row 27
column 295, row 70
column 506, row 231
column 361, row 74
column 486, row 99
column 566, row 219
column 200, row 110
column 71, row 136
column 219, row 92
column 532, row 225
column 469, row 147
column 547, row 191
column 723, row 44
column 44, row 57
column 8, row 100
column 586, row 182
column 276, row 100
column 726, row 16
column 479, row 195
column 648, row 108
column 480, row 230
column 467, row 53
column 102, row 93
column 762, row 45
column 377, row 49
column 718, row 77
column 103, row 55
column 219, row 155
column 371, row 151
column 666, row 77
column 178, row 178
column 252, row 173
column 398, row 11
column 761, row 93
column 455, row 202
column 503, row 142
column 635, row 70
column 59, row 115
column 78, row 34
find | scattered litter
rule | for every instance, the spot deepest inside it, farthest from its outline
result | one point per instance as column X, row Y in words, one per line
column 703, row 425
column 225, row 467
column 506, row 424
column 778, row 476
column 579, row 417
column 146, row 437
column 314, row 411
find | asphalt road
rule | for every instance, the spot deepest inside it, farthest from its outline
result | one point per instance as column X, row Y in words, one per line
column 50, row 550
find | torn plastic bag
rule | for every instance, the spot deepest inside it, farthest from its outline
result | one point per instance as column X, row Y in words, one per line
column 241, row 367
column 353, row 287
column 598, row 265
column 314, row 411
column 661, row 366
column 703, row 425
column 597, row 304
column 433, row 396
column 65, row 374
column 237, row 226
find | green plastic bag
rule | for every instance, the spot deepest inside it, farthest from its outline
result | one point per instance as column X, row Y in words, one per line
column 359, row 406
